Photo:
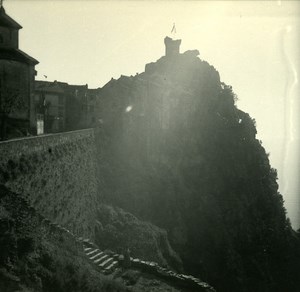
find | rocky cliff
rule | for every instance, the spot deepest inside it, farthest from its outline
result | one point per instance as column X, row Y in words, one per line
column 179, row 153
column 40, row 255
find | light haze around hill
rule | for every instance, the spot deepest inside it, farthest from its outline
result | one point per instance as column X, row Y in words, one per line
column 254, row 46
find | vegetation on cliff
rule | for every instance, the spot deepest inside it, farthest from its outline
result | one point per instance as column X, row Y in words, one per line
column 118, row 230
column 178, row 152
column 35, row 257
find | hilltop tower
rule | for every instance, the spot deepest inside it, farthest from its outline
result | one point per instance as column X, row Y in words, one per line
column 17, row 74
column 172, row 47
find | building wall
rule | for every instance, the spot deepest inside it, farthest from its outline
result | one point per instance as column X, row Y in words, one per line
column 15, row 77
column 52, row 106
column 8, row 38
column 17, row 73
column 18, row 78
column 65, row 107
column 57, row 173
column 32, row 114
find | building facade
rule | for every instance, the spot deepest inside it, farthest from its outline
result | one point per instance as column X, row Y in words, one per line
column 63, row 107
column 17, row 74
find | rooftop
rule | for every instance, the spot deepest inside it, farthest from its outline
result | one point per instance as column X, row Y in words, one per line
column 7, row 21
column 17, row 55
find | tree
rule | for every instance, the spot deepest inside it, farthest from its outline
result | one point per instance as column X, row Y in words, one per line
column 10, row 102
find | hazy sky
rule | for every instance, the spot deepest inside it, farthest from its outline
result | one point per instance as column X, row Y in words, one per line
column 255, row 46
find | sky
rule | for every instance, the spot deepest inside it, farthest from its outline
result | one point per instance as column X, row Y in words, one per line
column 255, row 46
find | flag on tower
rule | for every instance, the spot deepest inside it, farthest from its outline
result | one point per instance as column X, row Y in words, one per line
column 173, row 28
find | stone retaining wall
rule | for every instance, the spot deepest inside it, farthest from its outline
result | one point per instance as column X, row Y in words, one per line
column 57, row 174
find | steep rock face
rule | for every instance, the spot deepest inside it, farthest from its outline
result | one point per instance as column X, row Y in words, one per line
column 177, row 152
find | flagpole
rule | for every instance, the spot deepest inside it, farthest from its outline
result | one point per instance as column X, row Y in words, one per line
column 173, row 31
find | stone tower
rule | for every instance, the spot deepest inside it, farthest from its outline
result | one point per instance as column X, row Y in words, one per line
column 172, row 47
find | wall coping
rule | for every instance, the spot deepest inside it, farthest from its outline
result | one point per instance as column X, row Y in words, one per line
column 46, row 135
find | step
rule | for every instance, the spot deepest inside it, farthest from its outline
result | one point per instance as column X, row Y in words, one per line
column 112, row 265
column 109, row 268
column 106, row 263
column 188, row 277
column 93, row 251
column 102, row 258
column 184, row 276
column 171, row 273
column 178, row 276
column 203, row 284
column 116, row 255
column 95, row 256
column 163, row 269
column 86, row 249
column 136, row 260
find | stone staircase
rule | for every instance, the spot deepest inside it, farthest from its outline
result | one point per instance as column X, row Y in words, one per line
column 108, row 262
